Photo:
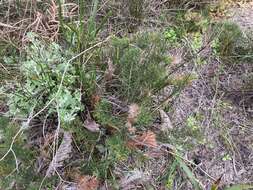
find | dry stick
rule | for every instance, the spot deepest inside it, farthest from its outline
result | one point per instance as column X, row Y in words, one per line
column 20, row 131
column 8, row 26
column 12, row 143
column 213, row 101
column 4, row 68
column 55, row 144
column 16, row 160
column 160, row 4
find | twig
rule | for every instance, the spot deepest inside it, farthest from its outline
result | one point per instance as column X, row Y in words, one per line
column 8, row 26
column 55, row 143
column 20, row 131
column 160, row 4
column 11, row 146
column 4, row 68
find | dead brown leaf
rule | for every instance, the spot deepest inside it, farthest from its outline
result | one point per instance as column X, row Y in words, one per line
column 95, row 99
column 146, row 139
column 87, row 182
column 133, row 178
column 91, row 125
column 154, row 153
column 176, row 60
column 61, row 155
column 109, row 71
column 166, row 122
column 133, row 112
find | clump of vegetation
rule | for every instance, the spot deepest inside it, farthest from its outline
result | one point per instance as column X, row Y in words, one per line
column 140, row 65
column 48, row 79
column 17, row 158
column 227, row 38
column 231, row 43
column 85, row 105
column 50, row 89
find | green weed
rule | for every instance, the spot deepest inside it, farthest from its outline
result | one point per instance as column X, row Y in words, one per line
column 43, row 69
column 140, row 65
column 229, row 34
column 231, row 44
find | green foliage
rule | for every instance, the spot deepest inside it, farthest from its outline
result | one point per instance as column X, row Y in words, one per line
column 106, row 156
column 145, row 117
column 215, row 46
column 192, row 123
column 117, row 148
column 194, row 129
column 231, row 44
column 47, row 75
column 79, row 35
column 171, row 175
column 140, row 65
column 188, row 22
column 226, row 157
column 83, row 138
column 25, row 178
column 194, row 4
column 135, row 13
column 103, row 113
column 8, row 130
column 197, row 41
column 8, row 59
column 189, row 174
column 136, row 8
column 48, row 79
column 188, row 136
column 171, row 35
column 240, row 187
column 140, row 70
column 228, row 36
column 190, row 26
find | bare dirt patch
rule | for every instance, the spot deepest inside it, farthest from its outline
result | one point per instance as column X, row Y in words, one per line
column 219, row 96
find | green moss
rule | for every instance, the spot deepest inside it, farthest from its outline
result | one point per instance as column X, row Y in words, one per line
column 106, row 156
column 84, row 138
column 103, row 114
column 7, row 131
column 25, row 178
column 146, row 116
column 117, row 148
